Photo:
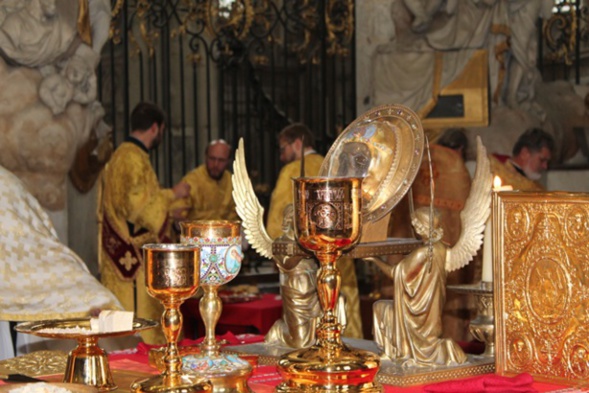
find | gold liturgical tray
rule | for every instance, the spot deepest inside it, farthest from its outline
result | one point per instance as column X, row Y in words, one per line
column 384, row 146
column 541, row 276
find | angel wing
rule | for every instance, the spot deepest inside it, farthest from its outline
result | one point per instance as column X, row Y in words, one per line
column 248, row 207
column 474, row 215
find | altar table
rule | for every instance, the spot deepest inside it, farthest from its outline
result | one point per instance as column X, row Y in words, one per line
column 256, row 316
column 130, row 365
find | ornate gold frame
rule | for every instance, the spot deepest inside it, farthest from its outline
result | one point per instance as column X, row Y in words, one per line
column 540, row 248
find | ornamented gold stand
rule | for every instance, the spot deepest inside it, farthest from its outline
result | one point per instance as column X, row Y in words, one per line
column 328, row 222
column 87, row 363
column 171, row 275
column 483, row 326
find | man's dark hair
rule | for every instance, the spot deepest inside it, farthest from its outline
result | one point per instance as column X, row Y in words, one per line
column 534, row 140
column 454, row 138
column 145, row 114
column 296, row 131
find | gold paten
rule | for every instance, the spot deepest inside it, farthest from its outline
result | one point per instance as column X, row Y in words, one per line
column 226, row 373
column 328, row 221
column 540, row 244
column 384, row 146
column 35, row 363
column 87, row 363
column 171, row 275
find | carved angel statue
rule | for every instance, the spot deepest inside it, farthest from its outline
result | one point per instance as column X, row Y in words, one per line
column 409, row 327
column 298, row 275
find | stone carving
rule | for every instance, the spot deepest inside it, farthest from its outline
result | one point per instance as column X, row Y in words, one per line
column 49, row 51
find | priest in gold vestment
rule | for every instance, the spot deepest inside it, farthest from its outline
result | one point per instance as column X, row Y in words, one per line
column 210, row 185
column 530, row 157
column 292, row 148
column 133, row 209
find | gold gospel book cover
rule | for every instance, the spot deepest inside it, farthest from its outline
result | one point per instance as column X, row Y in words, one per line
column 541, row 276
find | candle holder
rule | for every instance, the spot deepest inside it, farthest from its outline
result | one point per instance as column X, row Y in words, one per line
column 482, row 327
column 328, row 221
column 221, row 255
column 171, row 276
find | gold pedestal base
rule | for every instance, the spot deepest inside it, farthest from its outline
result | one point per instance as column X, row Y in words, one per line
column 312, row 370
column 172, row 384
column 87, row 364
column 230, row 383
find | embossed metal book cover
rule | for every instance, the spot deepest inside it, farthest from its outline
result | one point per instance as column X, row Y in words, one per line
column 541, row 275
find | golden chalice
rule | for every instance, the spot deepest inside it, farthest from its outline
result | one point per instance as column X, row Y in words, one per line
column 220, row 261
column 171, row 276
column 328, row 221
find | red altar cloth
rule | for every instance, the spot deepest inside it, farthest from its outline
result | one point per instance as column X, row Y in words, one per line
column 266, row 378
column 256, row 316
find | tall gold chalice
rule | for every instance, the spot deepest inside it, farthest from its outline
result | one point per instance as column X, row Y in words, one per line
column 328, row 221
column 220, row 261
column 171, row 276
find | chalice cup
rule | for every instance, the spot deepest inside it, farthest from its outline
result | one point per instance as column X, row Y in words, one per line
column 171, row 276
column 328, row 222
column 220, row 261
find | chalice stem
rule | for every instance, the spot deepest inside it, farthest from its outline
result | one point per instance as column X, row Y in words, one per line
column 210, row 308
column 328, row 288
column 172, row 325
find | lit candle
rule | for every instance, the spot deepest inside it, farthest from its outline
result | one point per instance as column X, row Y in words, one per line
column 488, row 236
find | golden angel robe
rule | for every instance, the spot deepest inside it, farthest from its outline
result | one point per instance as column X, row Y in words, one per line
column 281, row 197
column 408, row 328
column 452, row 187
column 132, row 211
column 298, row 287
column 210, row 199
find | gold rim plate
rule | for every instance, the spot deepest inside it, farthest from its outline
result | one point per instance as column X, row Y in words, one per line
column 36, row 328
column 385, row 147
column 72, row 387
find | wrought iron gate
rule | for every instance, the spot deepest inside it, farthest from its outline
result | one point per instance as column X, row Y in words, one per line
column 230, row 69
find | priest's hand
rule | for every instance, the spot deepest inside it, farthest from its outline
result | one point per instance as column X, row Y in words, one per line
column 180, row 213
column 181, row 190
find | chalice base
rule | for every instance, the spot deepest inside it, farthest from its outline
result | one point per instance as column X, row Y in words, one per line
column 87, row 364
column 165, row 384
column 227, row 373
column 310, row 370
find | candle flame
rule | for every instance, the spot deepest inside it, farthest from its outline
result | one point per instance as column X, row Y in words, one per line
column 497, row 182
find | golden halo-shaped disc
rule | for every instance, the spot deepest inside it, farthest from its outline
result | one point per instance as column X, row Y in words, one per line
column 385, row 147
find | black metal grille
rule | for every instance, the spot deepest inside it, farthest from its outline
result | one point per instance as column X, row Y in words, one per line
column 230, row 69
